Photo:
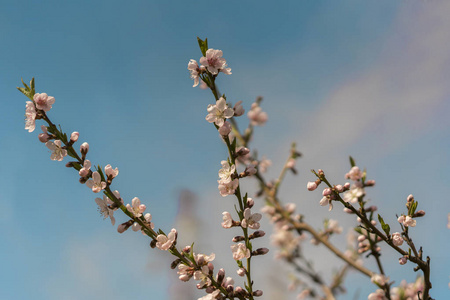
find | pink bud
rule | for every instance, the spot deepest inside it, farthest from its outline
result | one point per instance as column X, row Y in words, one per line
column 326, row 192
column 257, row 293
column 84, row 148
column 403, row 260
column 370, row 182
column 241, row 272
column 311, row 186
column 74, row 136
column 225, row 129
column 250, row 202
column 339, row 188
column 238, row 109
column 43, row 137
column 410, row 198
column 347, row 185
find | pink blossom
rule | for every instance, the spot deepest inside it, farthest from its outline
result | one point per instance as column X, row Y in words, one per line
column 226, row 172
column 218, row 112
column 290, row 163
column 353, row 194
column 378, row 295
column 30, row 116
column 409, row 222
column 148, row 217
column 228, row 188
column 214, row 62
column 166, row 242
column 110, row 172
column 250, row 220
column 227, row 220
column 194, row 70
column 256, row 115
column 354, row 174
column 43, row 101
column 136, row 208
column 379, row 279
column 240, row 251
column 104, row 208
column 58, row 152
column 96, row 183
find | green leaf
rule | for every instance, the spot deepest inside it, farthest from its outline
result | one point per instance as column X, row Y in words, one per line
column 352, row 161
column 385, row 226
column 32, row 85
column 23, row 91
column 203, row 45
column 358, row 230
column 233, row 145
column 24, row 84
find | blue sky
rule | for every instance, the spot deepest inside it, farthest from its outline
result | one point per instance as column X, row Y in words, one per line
column 361, row 78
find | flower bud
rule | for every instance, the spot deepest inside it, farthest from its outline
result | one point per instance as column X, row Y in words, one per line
column 250, row 202
column 339, row 188
column 241, row 272
column 175, row 263
column 410, row 198
column 43, row 137
column 250, row 170
column 153, row 244
column 225, row 129
column 326, row 192
column 238, row 239
column 124, row 226
column 257, row 293
column 84, row 148
column 74, row 136
column 220, row 276
column 238, row 109
column 242, row 151
column 370, row 182
column 419, row 214
column 260, row 251
column 311, row 186
column 403, row 260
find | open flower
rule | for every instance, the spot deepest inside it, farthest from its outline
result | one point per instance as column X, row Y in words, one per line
column 214, row 62
column 43, row 101
column 226, row 172
column 104, row 208
column 218, row 112
column 194, row 70
column 240, row 251
column 136, row 208
column 228, row 188
column 353, row 194
column 96, row 183
column 165, row 242
column 58, row 152
column 256, row 115
column 30, row 116
column 110, row 172
column 250, row 220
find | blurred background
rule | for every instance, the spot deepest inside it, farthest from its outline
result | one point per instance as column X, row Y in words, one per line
column 363, row 78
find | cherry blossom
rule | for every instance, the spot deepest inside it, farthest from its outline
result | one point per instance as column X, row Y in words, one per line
column 148, row 217
column 136, row 208
column 104, row 208
column 226, row 172
column 58, row 152
column 228, row 188
column 96, row 183
column 43, row 101
column 354, row 174
column 217, row 113
column 240, row 251
column 194, row 70
column 256, row 115
column 214, row 62
column 30, row 116
column 166, row 242
column 378, row 295
column 238, row 109
column 227, row 220
column 211, row 296
column 353, row 194
column 110, row 172
column 250, row 220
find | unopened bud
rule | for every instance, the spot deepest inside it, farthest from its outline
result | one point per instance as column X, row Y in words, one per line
column 419, row 214
column 225, row 129
column 260, row 251
column 238, row 109
column 239, row 291
column 43, row 137
column 326, row 192
column 187, row 249
column 74, row 136
column 241, row 272
column 250, row 170
column 361, row 238
column 258, row 293
column 339, row 188
column 347, row 186
column 238, row 239
column 257, row 234
column 347, row 210
column 210, row 268
column 175, row 263
column 124, row 226
column 242, row 151
column 311, row 186
column 69, row 164
column 370, row 182
column 403, row 260
column 250, row 202
column 290, row 207
column 220, row 276
column 371, row 208
column 410, row 198
column 153, row 244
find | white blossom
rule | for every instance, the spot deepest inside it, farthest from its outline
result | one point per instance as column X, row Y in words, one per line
column 58, row 152
column 217, row 113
